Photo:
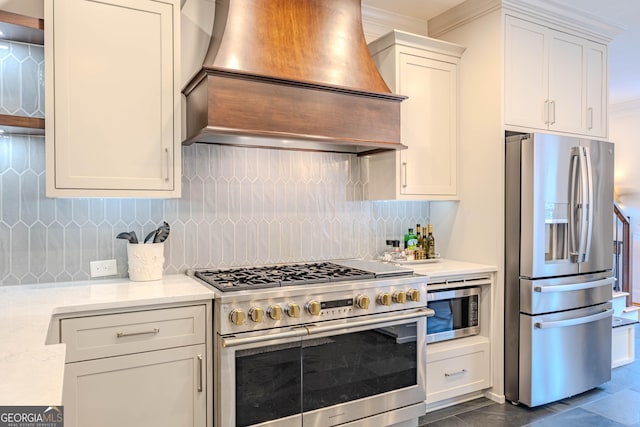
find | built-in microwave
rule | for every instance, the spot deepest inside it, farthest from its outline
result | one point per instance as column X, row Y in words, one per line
column 456, row 313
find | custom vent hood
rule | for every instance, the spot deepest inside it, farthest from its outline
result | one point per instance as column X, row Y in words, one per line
column 291, row 74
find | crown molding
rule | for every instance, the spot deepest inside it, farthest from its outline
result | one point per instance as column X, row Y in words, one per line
column 378, row 22
column 551, row 12
column 460, row 15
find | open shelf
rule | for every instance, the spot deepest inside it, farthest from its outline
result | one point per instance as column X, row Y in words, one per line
column 21, row 125
column 22, row 29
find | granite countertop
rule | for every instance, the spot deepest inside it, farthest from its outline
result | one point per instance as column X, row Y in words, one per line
column 31, row 364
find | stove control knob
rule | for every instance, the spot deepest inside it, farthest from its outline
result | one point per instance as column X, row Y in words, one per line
column 362, row 301
column 256, row 314
column 384, row 298
column 237, row 316
column 275, row 312
column 293, row 310
column 413, row 295
column 313, row 308
column 400, row 297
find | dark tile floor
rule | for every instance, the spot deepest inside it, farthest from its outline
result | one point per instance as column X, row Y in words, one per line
column 613, row 404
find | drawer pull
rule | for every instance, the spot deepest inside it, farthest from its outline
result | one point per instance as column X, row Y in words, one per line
column 131, row 334
column 460, row 372
column 200, row 373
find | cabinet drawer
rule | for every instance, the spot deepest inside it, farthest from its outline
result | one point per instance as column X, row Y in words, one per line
column 108, row 335
column 458, row 372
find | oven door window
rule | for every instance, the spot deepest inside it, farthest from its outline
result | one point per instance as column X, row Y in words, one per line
column 268, row 381
column 351, row 366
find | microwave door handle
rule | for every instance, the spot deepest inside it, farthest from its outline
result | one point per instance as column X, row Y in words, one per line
column 575, row 321
column 587, row 184
column 318, row 329
column 574, row 286
column 573, row 204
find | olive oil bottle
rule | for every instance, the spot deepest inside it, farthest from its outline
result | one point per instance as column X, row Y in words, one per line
column 431, row 244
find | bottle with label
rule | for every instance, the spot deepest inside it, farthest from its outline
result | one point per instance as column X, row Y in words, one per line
column 410, row 242
column 431, row 244
column 419, row 237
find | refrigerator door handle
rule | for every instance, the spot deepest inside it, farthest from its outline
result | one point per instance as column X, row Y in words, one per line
column 574, row 286
column 574, row 250
column 587, row 214
column 575, row 321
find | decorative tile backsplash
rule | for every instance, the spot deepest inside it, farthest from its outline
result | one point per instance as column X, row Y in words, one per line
column 240, row 206
column 21, row 79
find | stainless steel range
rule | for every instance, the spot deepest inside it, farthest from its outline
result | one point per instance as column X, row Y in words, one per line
column 314, row 344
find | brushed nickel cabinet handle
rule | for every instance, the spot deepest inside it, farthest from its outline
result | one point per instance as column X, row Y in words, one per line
column 546, row 112
column 404, row 174
column 460, row 372
column 166, row 155
column 200, row 373
column 590, row 118
column 131, row 334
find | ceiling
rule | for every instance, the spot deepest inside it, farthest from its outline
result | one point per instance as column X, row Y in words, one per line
column 624, row 50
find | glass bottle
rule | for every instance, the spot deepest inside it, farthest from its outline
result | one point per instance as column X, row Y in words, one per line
column 431, row 244
column 420, row 239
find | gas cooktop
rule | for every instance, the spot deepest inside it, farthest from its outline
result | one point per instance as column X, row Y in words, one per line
column 271, row 276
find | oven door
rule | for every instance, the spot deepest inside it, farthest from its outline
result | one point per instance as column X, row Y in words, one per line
column 359, row 369
column 322, row 374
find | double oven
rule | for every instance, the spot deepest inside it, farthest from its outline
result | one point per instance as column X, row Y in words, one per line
column 322, row 353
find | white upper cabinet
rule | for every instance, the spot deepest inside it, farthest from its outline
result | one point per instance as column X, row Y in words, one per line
column 553, row 80
column 113, row 98
column 426, row 71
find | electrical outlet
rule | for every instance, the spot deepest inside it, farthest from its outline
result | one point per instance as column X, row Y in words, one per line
column 107, row 267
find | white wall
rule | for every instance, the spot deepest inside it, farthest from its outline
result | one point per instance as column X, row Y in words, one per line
column 33, row 8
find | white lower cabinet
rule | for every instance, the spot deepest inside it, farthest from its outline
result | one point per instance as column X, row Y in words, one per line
column 154, row 389
column 136, row 369
column 457, row 367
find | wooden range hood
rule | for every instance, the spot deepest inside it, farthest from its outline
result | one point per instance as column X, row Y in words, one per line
column 292, row 74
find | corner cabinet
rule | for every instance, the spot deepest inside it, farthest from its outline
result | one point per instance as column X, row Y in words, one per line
column 553, row 80
column 137, row 369
column 425, row 70
column 112, row 98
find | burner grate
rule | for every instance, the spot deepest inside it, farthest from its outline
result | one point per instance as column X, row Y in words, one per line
column 237, row 279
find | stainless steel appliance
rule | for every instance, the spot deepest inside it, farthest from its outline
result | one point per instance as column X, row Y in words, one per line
column 456, row 313
column 558, row 262
column 306, row 344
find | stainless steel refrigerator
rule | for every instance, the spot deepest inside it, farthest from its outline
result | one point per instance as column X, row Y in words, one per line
column 558, row 266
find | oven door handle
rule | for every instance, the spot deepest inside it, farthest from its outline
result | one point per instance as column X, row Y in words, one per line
column 293, row 333
column 312, row 329
column 319, row 329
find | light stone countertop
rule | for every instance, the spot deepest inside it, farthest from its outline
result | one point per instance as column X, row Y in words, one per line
column 31, row 369
column 449, row 268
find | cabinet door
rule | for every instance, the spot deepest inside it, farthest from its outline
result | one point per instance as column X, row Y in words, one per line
column 153, row 389
column 113, row 100
column 429, row 126
column 597, row 91
column 567, row 61
column 526, row 74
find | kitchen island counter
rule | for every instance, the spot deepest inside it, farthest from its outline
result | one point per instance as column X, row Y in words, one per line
column 31, row 359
